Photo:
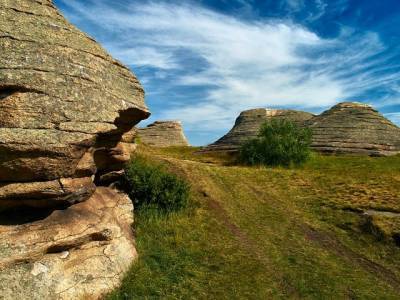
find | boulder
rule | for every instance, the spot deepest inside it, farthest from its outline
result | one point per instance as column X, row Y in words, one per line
column 163, row 134
column 62, row 97
column 78, row 253
column 248, row 124
column 354, row 128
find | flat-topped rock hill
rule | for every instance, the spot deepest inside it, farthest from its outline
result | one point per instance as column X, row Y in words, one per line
column 354, row 128
column 248, row 124
column 163, row 134
column 64, row 106
column 346, row 128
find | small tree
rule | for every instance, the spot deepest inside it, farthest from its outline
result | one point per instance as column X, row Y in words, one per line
column 279, row 142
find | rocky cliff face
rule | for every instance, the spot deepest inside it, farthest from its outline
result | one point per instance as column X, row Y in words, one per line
column 61, row 98
column 64, row 106
column 163, row 134
column 354, row 128
column 248, row 124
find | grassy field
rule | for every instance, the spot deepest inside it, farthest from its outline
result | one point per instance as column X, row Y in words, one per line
column 259, row 233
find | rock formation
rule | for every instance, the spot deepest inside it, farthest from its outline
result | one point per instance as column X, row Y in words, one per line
column 64, row 106
column 78, row 253
column 62, row 97
column 248, row 124
column 354, row 128
column 163, row 134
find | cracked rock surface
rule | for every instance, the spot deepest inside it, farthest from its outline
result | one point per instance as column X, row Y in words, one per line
column 78, row 253
column 248, row 124
column 354, row 128
column 61, row 98
column 163, row 134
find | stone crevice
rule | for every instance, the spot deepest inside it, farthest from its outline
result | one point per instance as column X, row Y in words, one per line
column 21, row 11
column 9, row 90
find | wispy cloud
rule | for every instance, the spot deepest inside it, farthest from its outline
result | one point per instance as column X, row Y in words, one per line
column 240, row 64
column 395, row 117
column 320, row 8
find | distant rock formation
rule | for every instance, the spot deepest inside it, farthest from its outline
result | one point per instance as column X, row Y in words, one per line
column 354, row 128
column 163, row 134
column 248, row 124
column 64, row 106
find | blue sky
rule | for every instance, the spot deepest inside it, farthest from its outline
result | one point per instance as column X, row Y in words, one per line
column 204, row 61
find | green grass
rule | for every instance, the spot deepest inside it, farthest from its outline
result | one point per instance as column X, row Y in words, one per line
column 262, row 233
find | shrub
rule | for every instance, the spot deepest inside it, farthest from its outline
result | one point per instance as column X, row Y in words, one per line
column 279, row 142
column 150, row 185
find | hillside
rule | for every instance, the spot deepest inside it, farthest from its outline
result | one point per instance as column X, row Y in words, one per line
column 323, row 231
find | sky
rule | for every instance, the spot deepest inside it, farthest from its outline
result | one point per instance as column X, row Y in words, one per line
column 205, row 61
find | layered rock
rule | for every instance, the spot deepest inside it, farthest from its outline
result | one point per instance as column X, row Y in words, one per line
column 64, row 106
column 78, row 253
column 248, row 124
column 109, row 161
column 354, row 128
column 62, row 97
column 163, row 134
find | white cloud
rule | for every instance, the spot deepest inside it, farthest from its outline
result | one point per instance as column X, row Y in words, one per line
column 395, row 117
column 143, row 56
column 249, row 64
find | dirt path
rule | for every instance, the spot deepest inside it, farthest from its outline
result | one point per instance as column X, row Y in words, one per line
column 331, row 244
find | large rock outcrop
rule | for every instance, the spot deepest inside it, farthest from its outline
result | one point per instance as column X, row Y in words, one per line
column 163, row 134
column 64, row 104
column 248, row 124
column 354, row 128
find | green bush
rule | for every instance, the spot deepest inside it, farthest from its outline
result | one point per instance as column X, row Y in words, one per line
column 150, row 185
column 279, row 142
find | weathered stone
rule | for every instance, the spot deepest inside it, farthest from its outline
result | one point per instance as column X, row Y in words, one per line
column 61, row 97
column 64, row 191
column 129, row 137
column 111, row 178
column 354, row 128
column 78, row 253
column 111, row 161
column 248, row 124
column 163, row 134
